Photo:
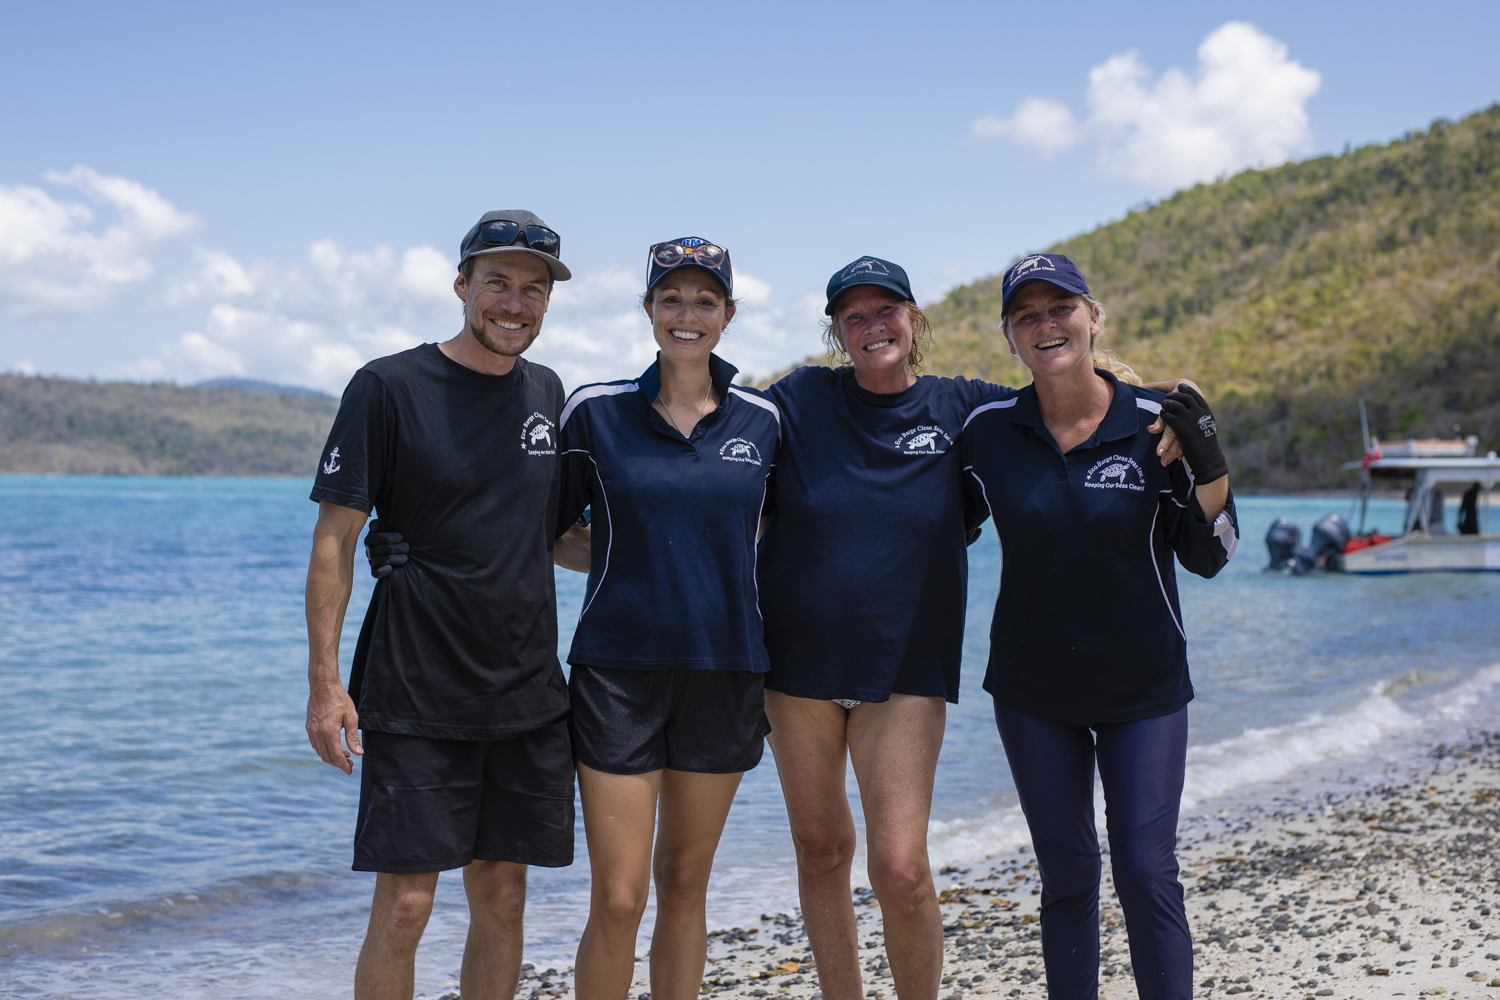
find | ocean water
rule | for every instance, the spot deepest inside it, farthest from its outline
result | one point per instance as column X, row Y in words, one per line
column 165, row 829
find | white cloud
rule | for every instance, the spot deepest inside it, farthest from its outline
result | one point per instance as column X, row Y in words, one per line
column 54, row 257
column 1245, row 106
column 1040, row 123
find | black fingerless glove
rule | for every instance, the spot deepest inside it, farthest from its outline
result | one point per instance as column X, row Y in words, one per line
column 385, row 550
column 1187, row 414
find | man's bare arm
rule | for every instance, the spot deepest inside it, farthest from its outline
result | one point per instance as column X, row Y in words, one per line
column 330, row 580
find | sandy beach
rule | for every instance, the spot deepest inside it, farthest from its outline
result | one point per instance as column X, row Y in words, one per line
column 1383, row 887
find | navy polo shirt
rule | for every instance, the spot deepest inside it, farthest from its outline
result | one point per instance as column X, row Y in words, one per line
column 1087, row 627
column 864, row 576
column 672, row 574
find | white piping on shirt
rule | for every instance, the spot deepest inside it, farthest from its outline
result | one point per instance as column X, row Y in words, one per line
column 1151, row 544
column 999, row 404
column 766, row 404
column 605, row 497
column 589, row 392
column 1224, row 532
column 1149, row 405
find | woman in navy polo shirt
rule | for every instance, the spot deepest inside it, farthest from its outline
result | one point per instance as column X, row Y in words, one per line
column 668, row 663
column 863, row 585
column 1088, row 659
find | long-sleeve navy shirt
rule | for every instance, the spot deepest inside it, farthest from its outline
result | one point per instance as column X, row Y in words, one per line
column 672, row 573
column 1087, row 627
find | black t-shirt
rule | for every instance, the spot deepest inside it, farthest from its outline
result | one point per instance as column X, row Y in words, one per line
column 1087, row 626
column 461, row 642
column 863, row 575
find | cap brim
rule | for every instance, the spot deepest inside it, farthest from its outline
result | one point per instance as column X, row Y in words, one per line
column 1022, row 284
column 653, row 282
column 559, row 270
column 888, row 285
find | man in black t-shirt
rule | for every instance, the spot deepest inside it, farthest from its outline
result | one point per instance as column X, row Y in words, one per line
column 456, row 682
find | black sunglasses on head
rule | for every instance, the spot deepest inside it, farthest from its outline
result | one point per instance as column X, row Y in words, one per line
column 503, row 233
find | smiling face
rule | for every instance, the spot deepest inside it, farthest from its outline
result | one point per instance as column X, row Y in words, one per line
column 688, row 310
column 1050, row 329
column 875, row 327
column 505, row 297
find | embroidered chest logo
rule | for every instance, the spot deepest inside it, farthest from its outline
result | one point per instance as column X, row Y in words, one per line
column 740, row 450
column 332, row 465
column 923, row 440
column 538, row 436
column 1117, row 472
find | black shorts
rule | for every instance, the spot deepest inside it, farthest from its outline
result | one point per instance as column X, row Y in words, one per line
column 428, row 805
column 635, row 721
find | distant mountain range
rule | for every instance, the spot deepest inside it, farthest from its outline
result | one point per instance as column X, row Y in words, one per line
column 1291, row 293
column 55, row 425
column 255, row 385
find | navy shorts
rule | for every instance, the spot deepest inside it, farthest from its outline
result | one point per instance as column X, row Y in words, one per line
column 635, row 721
column 428, row 805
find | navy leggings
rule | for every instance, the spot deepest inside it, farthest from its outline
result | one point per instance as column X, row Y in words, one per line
column 1141, row 766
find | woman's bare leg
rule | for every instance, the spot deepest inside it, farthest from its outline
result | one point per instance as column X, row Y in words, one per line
column 807, row 737
column 619, row 819
column 690, row 818
column 894, row 747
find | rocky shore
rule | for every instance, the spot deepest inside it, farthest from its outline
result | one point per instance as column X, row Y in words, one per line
column 1381, row 887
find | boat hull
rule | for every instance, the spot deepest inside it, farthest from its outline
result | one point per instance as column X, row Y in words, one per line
column 1428, row 554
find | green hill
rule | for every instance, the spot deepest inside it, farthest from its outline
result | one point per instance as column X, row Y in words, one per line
column 1290, row 293
column 54, row 425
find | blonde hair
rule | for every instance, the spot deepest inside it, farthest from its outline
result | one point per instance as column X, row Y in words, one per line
column 921, row 335
column 1103, row 357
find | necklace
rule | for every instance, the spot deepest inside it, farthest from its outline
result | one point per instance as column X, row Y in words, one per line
column 701, row 408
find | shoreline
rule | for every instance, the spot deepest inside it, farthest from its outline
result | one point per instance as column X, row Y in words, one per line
column 1307, row 887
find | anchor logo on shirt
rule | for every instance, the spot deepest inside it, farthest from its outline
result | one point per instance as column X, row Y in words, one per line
column 332, row 465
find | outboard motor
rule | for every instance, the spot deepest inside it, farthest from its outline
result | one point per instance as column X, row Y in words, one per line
column 1282, row 542
column 1329, row 536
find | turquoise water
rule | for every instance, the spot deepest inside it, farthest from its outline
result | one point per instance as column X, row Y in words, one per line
column 166, row 830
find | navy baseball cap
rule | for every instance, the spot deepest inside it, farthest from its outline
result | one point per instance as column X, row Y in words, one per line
column 868, row 271
column 1050, row 267
column 689, row 251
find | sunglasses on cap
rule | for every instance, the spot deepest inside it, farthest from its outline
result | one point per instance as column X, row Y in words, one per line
column 504, row 233
column 692, row 250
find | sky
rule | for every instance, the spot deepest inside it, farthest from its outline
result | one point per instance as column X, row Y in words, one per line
column 277, row 191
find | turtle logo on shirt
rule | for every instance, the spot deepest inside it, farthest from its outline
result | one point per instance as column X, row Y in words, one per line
column 332, row 465
column 740, row 450
column 539, row 435
column 1117, row 472
column 923, row 440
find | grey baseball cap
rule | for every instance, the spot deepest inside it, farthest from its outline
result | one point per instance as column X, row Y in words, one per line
column 514, row 230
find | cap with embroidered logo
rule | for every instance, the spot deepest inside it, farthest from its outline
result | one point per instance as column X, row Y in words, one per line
column 1053, row 268
column 868, row 271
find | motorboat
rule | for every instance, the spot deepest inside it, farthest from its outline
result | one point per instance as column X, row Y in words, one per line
column 1430, row 471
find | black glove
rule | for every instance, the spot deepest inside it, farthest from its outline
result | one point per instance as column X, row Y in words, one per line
column 384, row 549
column 1188, row 416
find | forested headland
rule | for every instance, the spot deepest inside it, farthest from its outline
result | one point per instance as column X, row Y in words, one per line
column 56, row 425
column 1290, row 293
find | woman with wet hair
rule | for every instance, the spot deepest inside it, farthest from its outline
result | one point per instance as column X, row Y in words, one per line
column 1088, row 658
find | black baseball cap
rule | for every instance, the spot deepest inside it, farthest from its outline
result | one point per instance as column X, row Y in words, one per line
column 868, row 271
column 1053, row 268
column 514, row 230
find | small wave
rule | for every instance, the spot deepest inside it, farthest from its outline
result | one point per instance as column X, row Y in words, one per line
column 1255, row 756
